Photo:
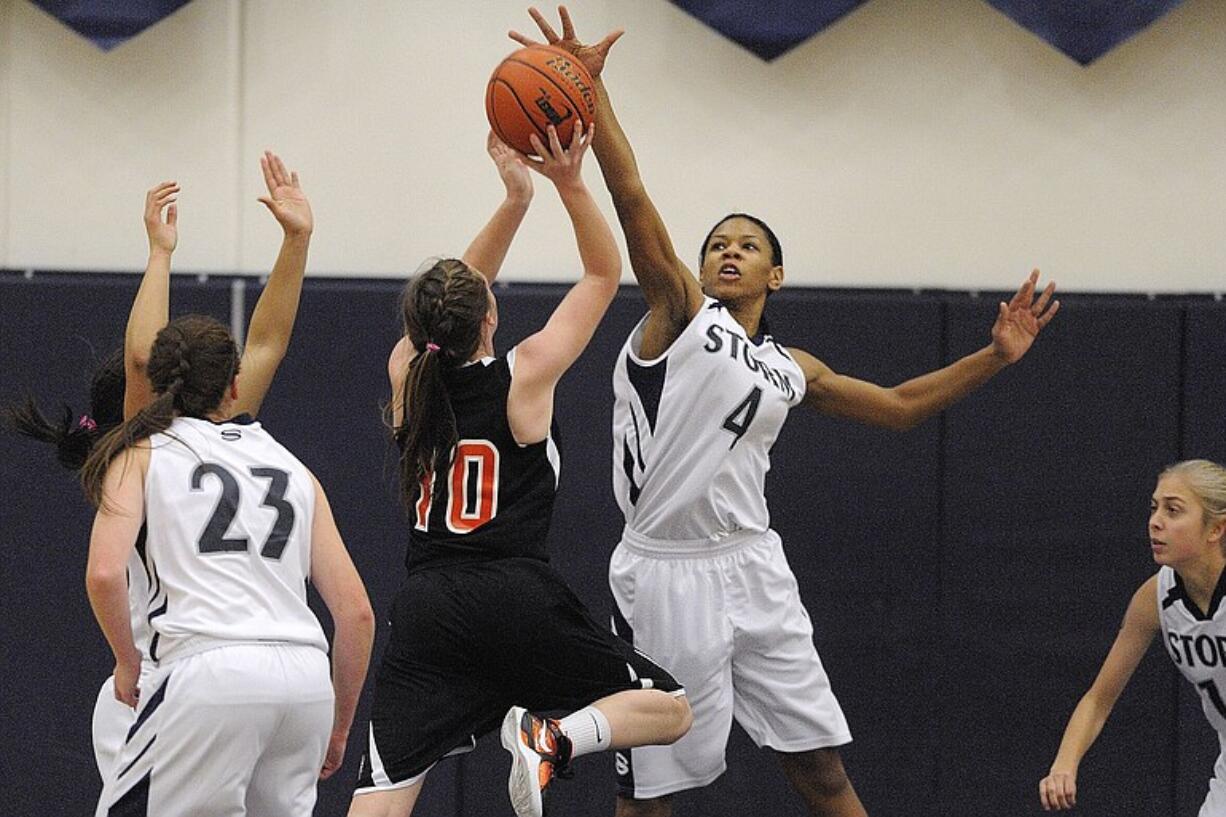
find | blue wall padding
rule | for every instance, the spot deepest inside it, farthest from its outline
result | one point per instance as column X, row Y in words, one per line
column 965, row 578
column 53, row 329
column 1045, row 494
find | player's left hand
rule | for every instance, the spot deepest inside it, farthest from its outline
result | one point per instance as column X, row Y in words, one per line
column 285, row 199
column 335, row 755
column 127, row 676
column 1019, row 322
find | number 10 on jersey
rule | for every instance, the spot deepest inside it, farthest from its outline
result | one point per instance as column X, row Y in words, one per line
column 471, row 486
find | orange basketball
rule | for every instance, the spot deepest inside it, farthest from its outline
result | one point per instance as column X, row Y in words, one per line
column 536, row 87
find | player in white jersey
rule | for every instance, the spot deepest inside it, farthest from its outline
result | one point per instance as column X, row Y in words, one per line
column 120, row 384
column 238, row 715
column 1182, row 604
column 701, row 391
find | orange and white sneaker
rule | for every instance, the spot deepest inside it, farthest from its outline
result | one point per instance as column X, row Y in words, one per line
column 539, row 753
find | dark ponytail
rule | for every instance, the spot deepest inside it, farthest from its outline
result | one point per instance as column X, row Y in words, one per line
column 192, row 363
column 74, row 435
column 444, row 308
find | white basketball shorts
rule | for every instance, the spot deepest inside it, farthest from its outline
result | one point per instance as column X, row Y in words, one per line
column 726, row 620
column 233, row 730
column 1215, row 800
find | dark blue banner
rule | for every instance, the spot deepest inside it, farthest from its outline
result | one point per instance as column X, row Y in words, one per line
column 1083, row 29
column 107, row 23
column 770, row 27
column 1086, row 29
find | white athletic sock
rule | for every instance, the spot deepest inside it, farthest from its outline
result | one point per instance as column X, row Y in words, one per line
column 588, row 730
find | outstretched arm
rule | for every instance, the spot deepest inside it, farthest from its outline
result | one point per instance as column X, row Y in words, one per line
column 487, row 251
column 1017, row 325
column 151, row 307
column 106, row 580
column 672, row 292
column 340, row 586
column 1059, row 789
column 272, row 323
column 542, row 359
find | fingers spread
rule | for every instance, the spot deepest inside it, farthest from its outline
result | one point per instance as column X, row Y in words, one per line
column 551, row 36
column 521, row 39
column 1046, row 317
column 568, row 28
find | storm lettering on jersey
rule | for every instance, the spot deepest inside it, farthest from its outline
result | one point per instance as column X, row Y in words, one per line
column 1201, row 650
column 740, row 349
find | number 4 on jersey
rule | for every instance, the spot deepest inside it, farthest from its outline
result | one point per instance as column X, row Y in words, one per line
column 472, row 488
column 738, row 421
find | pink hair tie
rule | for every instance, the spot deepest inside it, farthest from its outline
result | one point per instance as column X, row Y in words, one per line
column 432, row 347
column 86, row 422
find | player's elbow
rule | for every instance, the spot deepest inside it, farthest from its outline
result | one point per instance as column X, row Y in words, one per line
column 357, row 618
column 680, row 719
column 99, row 579
column 900, row 414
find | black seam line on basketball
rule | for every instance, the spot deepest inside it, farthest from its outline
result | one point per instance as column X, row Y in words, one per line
column 555, row 84
column 544, row 134
column 154, row 703
column 128, row 768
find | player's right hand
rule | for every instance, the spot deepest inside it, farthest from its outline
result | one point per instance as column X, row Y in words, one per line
column 335, row 755
column 126, row 679
column 592, row 56
column 1058, row 790
column 163, row 232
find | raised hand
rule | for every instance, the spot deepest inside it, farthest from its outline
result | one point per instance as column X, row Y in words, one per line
column 162, row 229
column 562, row 166
column 511, row 168
column 285, row 199
column 1019, row 322
column 592, row 56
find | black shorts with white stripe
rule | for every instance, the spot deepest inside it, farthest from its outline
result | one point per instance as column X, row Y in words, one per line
column 470, row 641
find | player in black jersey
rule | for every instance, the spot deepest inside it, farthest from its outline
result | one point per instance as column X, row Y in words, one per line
column 482, row 626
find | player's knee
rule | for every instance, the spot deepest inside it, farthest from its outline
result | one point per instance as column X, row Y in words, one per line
column 820, row 772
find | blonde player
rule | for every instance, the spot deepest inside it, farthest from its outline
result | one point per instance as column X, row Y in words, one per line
column 238, row 715
column 1182, row 603
column 699, row 577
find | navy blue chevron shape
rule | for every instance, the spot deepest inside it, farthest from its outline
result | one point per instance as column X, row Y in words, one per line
column 768, row 28
column 107, row 23
column 1085, row 29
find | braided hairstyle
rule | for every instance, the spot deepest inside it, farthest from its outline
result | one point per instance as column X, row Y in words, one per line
column 191, row 365
column 444, row 308
column 74, row 435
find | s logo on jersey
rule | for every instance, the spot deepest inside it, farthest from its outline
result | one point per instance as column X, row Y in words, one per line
column 231, row 435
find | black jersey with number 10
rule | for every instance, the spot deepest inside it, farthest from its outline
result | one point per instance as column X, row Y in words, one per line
column 495, row 497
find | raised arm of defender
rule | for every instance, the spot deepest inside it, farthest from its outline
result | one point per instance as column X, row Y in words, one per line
column 672, row 292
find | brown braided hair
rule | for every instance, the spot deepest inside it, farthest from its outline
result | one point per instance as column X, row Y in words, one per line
column 444, row 308
column 191, row 365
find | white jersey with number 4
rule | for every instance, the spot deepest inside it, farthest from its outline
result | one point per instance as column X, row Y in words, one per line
column 228, row 514
column 693, row 429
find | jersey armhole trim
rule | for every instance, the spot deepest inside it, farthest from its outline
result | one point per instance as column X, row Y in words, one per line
column 638, row 328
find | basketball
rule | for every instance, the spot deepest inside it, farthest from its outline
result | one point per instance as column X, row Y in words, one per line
column 536, row 87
